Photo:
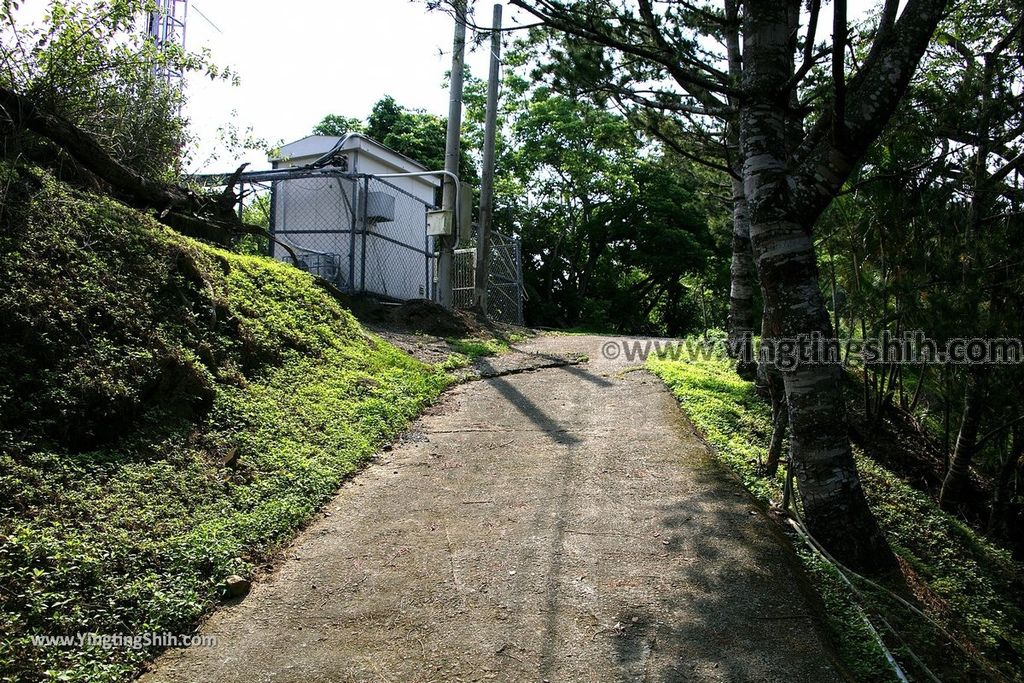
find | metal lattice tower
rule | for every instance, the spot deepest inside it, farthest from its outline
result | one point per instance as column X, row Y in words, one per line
column 166, row 26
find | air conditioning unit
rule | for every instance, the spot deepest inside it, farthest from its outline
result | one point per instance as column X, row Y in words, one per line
column 380, row 207
column 326, row 266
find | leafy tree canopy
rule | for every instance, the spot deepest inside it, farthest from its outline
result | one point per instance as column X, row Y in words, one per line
column 415, row 133
column 87, row 62
column 333, row 124
column 616, row 232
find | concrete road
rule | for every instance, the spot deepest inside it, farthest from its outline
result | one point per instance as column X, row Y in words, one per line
column 560, row 525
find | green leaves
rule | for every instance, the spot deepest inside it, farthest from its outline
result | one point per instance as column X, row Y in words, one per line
column 333, row 124
column 610, row 225
column 87, row 62
column 412, row 132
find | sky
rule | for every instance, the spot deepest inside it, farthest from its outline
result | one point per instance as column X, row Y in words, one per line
column 299, row 60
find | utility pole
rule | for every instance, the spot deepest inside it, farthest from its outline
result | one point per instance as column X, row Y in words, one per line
column 483, row 238
column 446, row 243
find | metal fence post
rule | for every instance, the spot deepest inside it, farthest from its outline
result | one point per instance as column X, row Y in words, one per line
column 519, row 279
column 352, row 238
column 272, row 229
column 366, row 229
column 427, row 294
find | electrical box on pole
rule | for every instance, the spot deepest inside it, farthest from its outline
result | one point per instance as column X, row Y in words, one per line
column 439, row 223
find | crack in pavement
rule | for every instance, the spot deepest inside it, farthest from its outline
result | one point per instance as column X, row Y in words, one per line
column 599, row 542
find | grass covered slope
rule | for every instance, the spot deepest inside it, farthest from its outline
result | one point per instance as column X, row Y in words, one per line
column 169, row 412
column 968, row 586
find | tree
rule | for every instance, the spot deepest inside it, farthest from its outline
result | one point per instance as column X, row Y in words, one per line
column 908, row 247
column 613, row 233
column 88, row 64
column 790, row 172
column 334, row 124
column 706, row 134
column 991, row 128
column 918, row 241
column 415, row 133
column 79, row 95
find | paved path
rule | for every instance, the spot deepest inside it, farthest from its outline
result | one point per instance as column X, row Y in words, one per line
column 561, row 525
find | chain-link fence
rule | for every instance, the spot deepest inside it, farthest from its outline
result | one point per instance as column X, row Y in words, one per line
column 464, row 277
column 367, row 234
column 361, row 232
column 504, row 279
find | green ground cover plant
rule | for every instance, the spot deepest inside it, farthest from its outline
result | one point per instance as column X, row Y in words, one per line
column 170, row 413
column 962, row 581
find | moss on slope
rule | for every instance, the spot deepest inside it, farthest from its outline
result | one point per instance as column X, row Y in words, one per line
column 169, row 412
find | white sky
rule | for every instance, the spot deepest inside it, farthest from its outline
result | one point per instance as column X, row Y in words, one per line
column 299, row 60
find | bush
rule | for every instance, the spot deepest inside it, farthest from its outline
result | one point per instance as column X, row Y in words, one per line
column 88, row 62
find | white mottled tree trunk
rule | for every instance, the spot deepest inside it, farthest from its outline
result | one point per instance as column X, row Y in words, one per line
column 741, row 291
column 834, row 504
column 741, row 272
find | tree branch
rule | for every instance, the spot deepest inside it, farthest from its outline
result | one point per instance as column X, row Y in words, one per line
column 821, row 165
column 1007, row 168
column 810, row 58
column 839, row 73
column 557, row 17
column 996, row 432
column 133, row 187
column 208, row 218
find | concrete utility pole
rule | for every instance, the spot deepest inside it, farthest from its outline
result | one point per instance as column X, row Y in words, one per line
column 483, row 239
column 446, row 255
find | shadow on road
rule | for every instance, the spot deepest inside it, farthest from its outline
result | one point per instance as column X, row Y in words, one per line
column 555, row 430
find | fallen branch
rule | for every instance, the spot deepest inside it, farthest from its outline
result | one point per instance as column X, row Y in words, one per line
column 209, row 218
column 134, row 188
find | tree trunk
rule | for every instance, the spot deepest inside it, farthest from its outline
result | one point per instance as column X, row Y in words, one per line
column 780, row 418
column 836, row 510
column 741, row 292
column 998, row 522
column 205, row 217
column 955, row 483
column 741, row 271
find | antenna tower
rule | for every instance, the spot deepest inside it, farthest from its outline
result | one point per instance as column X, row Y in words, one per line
column 166, row 26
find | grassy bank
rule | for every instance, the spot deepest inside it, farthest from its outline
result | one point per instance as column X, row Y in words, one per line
column 967, row 585
column 169, row 414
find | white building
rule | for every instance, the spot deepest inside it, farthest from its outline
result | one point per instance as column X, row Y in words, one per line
column 365, row 233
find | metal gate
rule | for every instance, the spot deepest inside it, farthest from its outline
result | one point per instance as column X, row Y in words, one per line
column 504, row 279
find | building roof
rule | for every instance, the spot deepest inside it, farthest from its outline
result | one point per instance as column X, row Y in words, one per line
column 311, row 145
column 316, row 146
